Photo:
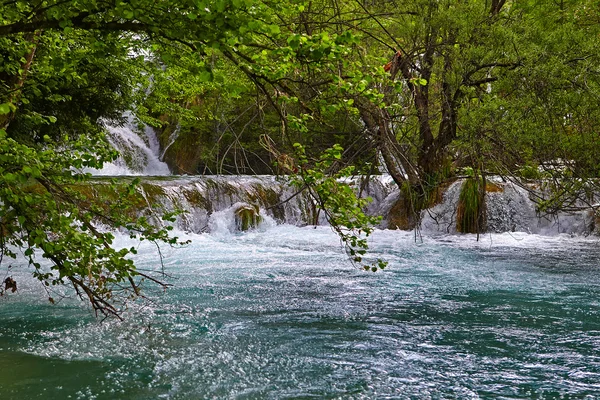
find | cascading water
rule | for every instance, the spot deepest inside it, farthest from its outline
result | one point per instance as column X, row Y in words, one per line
column 223, row 223
column 200, row 197
column 138, row 148
column 509, row 209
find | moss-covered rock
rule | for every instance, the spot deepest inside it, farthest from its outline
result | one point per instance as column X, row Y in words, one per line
column 182, row 148
column 247, row 217
column 406, row 211
column 401, row 216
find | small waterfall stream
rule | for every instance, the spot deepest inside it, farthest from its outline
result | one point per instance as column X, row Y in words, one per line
column 139, row 149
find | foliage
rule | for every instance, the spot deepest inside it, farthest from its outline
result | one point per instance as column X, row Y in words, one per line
column 338, row 200
column 490, row 85
column 68, row 66
column 43, row 215
column 470, row 212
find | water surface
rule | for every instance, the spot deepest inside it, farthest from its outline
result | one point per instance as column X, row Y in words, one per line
column 281, row 314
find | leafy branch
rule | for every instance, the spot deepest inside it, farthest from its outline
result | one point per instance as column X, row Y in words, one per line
column 338, row 200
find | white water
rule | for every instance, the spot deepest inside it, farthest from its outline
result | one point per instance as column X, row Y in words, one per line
column 510, row 210
column 278, row 312
column 139, row 150
column 222, row 223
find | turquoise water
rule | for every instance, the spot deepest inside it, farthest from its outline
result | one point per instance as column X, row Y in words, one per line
column 280, row 314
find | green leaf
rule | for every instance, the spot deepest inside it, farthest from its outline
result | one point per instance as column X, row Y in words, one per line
column 205, row 76
column 274, row 29
column 4, row 108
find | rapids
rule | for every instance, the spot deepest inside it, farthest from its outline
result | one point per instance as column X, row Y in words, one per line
column 279, row 313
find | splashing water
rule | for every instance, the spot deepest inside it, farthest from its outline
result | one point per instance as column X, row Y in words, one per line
column 223, row 224
column 279, row 313
column 139, row 151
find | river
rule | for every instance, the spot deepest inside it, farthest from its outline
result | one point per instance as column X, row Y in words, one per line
column 280, row 313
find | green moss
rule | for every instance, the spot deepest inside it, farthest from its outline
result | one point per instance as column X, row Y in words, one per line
column 107, row 198
column 247, row 217
column 152, row 191
column 400, row 215
column 268, row 198
column 196, row 199
column 182, row 146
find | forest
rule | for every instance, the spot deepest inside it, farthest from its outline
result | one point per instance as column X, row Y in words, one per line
column 425, row 90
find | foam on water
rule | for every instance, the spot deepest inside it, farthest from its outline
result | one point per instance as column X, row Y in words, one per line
column 508, row 209
column 278, row 312
column 223, row 224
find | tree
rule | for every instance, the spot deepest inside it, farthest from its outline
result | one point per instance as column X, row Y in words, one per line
column 485, row 85
column 426, row 86
column 432, row 87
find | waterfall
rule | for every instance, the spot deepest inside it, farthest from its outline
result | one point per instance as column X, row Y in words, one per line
column 172, row 138
column 139, row 151
column 223, row 223
column 509, row 209
column 442, row 217
column 209, row 202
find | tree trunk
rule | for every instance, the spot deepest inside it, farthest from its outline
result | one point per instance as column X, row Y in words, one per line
column 496, row 7
column 397, row 162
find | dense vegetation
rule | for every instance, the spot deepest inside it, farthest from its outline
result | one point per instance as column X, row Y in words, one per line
column 426, row 89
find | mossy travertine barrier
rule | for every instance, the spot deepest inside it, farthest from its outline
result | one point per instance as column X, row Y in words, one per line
column 247, row 217
column 508, row 207
column 198, row 198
